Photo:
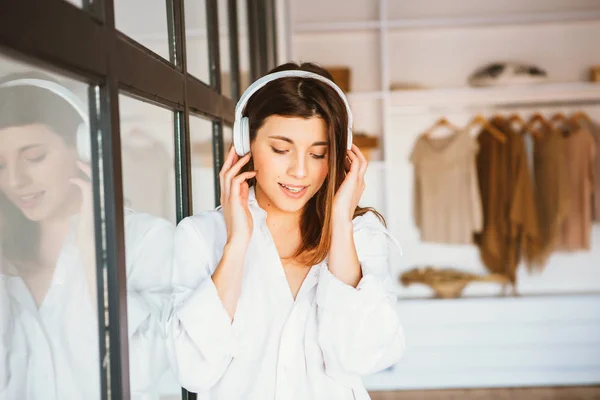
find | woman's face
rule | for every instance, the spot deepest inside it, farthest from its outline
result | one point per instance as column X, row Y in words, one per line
column 290, row 155
column 35, row 167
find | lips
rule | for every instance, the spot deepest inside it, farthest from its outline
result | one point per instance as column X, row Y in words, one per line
column 29, row 200
column 293, row 191
column 293, row 188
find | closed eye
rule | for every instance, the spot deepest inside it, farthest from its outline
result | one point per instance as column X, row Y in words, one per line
column 318, row 156
column 278, row 151
column 37, row 158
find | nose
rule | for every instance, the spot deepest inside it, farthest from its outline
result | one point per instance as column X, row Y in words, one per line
column 297, row 167
column 17, row 175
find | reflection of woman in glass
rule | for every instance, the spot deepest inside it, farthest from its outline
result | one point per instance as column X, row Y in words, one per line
column 50, row 340
column 285, row 292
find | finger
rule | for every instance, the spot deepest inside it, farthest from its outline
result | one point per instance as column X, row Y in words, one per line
column 85, row 188
column 355, row 163
column 85, row 168
column 232, row 158
column 234, row 171
column 347, row 164
column 229, row 160
column 238, row 180
column 364, row 163
column 82, row 184
column 356, row 150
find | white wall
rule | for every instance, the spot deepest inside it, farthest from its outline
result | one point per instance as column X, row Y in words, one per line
column 446, row 57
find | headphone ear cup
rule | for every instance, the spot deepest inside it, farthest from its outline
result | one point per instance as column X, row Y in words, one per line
column 349, row 144
column 245, row 134
column 84, row 143
column 241, row 136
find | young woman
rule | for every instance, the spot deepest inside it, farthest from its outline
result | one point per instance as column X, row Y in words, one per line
column 48, row 305
column 284, row 292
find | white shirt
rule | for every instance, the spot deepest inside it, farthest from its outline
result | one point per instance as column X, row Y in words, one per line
column 316, row 347
column 51, row 352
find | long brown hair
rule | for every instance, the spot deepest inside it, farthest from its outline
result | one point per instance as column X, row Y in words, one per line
column 21, row 106
column 307, row 98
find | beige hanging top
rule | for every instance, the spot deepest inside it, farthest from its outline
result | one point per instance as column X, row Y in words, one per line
column 446, row 203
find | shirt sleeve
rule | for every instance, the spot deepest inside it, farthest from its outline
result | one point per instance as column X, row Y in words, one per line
column 359, row 329
column 201, row 338
column 5, row 324
column 149, row 254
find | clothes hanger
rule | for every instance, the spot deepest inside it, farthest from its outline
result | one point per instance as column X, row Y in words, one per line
column 523, row 128
column 481, row 120
column 580, row 115
column 441, row 123
column 558, row 118
column 537, row 118
column 516, row 118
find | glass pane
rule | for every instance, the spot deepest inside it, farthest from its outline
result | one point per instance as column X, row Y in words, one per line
column 48, row 298
column 145, row 21
column 149, row 197
column 244, row 45
column 224, row 49
column 203, row 186
column 196, row 39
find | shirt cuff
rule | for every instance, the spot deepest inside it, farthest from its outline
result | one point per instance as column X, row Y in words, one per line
column 335, row 295
column 207, row 322
column 137, row 313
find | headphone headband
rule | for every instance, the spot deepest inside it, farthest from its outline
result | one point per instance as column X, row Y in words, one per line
column 55, row 88
column 83, row 137
column 257, row 85
column 241, row 132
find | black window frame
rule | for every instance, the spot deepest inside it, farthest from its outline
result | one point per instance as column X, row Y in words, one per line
column 85, row 44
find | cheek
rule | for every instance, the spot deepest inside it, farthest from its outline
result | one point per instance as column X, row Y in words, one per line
column 56, row 170
column 321, row 170
column 267, row 163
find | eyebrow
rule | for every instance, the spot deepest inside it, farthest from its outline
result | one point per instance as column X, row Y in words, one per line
column 30, row 146
column 287, row 139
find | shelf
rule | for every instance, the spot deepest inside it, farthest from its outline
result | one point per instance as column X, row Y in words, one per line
column 374, row 95
column 450, row 22
column 307, row 27
column 547, row 93
column 493, row 20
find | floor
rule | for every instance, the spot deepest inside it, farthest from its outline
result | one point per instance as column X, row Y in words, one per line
column 562, row 393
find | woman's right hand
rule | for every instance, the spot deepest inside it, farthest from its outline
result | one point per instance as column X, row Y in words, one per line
column 234, row 199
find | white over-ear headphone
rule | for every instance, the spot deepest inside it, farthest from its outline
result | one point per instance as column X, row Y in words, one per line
column 241, row 126
column 83, row 129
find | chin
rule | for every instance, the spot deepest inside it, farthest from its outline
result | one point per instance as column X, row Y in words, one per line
column 42, row 211
column 292, row 206
column 34, row 215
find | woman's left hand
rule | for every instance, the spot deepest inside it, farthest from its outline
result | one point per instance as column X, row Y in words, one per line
column 85, row 227
column 350, row 192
